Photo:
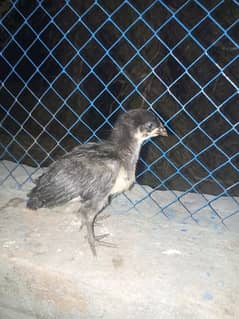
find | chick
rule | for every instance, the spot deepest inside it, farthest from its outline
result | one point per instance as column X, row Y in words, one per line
column 91, row 173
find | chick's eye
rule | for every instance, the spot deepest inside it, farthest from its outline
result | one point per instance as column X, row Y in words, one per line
column 149, row 126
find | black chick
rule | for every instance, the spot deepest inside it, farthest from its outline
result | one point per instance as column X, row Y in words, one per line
column 92, row 172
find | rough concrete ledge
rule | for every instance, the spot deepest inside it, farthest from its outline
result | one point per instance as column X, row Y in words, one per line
column 158, row 270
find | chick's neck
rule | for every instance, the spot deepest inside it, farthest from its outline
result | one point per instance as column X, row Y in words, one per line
column 127, row 145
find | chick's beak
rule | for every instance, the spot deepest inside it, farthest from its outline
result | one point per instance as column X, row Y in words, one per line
column 163, row 131
column 160, row 131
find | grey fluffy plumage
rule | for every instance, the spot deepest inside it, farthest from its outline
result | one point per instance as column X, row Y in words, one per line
column 92, row 172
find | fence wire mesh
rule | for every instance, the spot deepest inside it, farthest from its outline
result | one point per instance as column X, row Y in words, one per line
column 69, row 67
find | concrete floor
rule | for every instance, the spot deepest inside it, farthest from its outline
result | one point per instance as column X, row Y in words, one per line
column 158, row 269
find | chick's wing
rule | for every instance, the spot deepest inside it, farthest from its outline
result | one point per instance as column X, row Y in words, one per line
column 88, row 173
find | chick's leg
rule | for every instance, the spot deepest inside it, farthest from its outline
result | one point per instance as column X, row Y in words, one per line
column 89, row 213
column 99, row 238
column 87, row 220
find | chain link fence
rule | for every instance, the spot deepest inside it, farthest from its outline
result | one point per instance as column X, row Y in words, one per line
column 69, row 67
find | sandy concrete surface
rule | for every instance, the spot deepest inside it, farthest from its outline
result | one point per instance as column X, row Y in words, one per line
column 158, row 269
column 165, row 265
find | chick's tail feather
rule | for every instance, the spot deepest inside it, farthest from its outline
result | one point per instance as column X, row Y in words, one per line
column 34, row 202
